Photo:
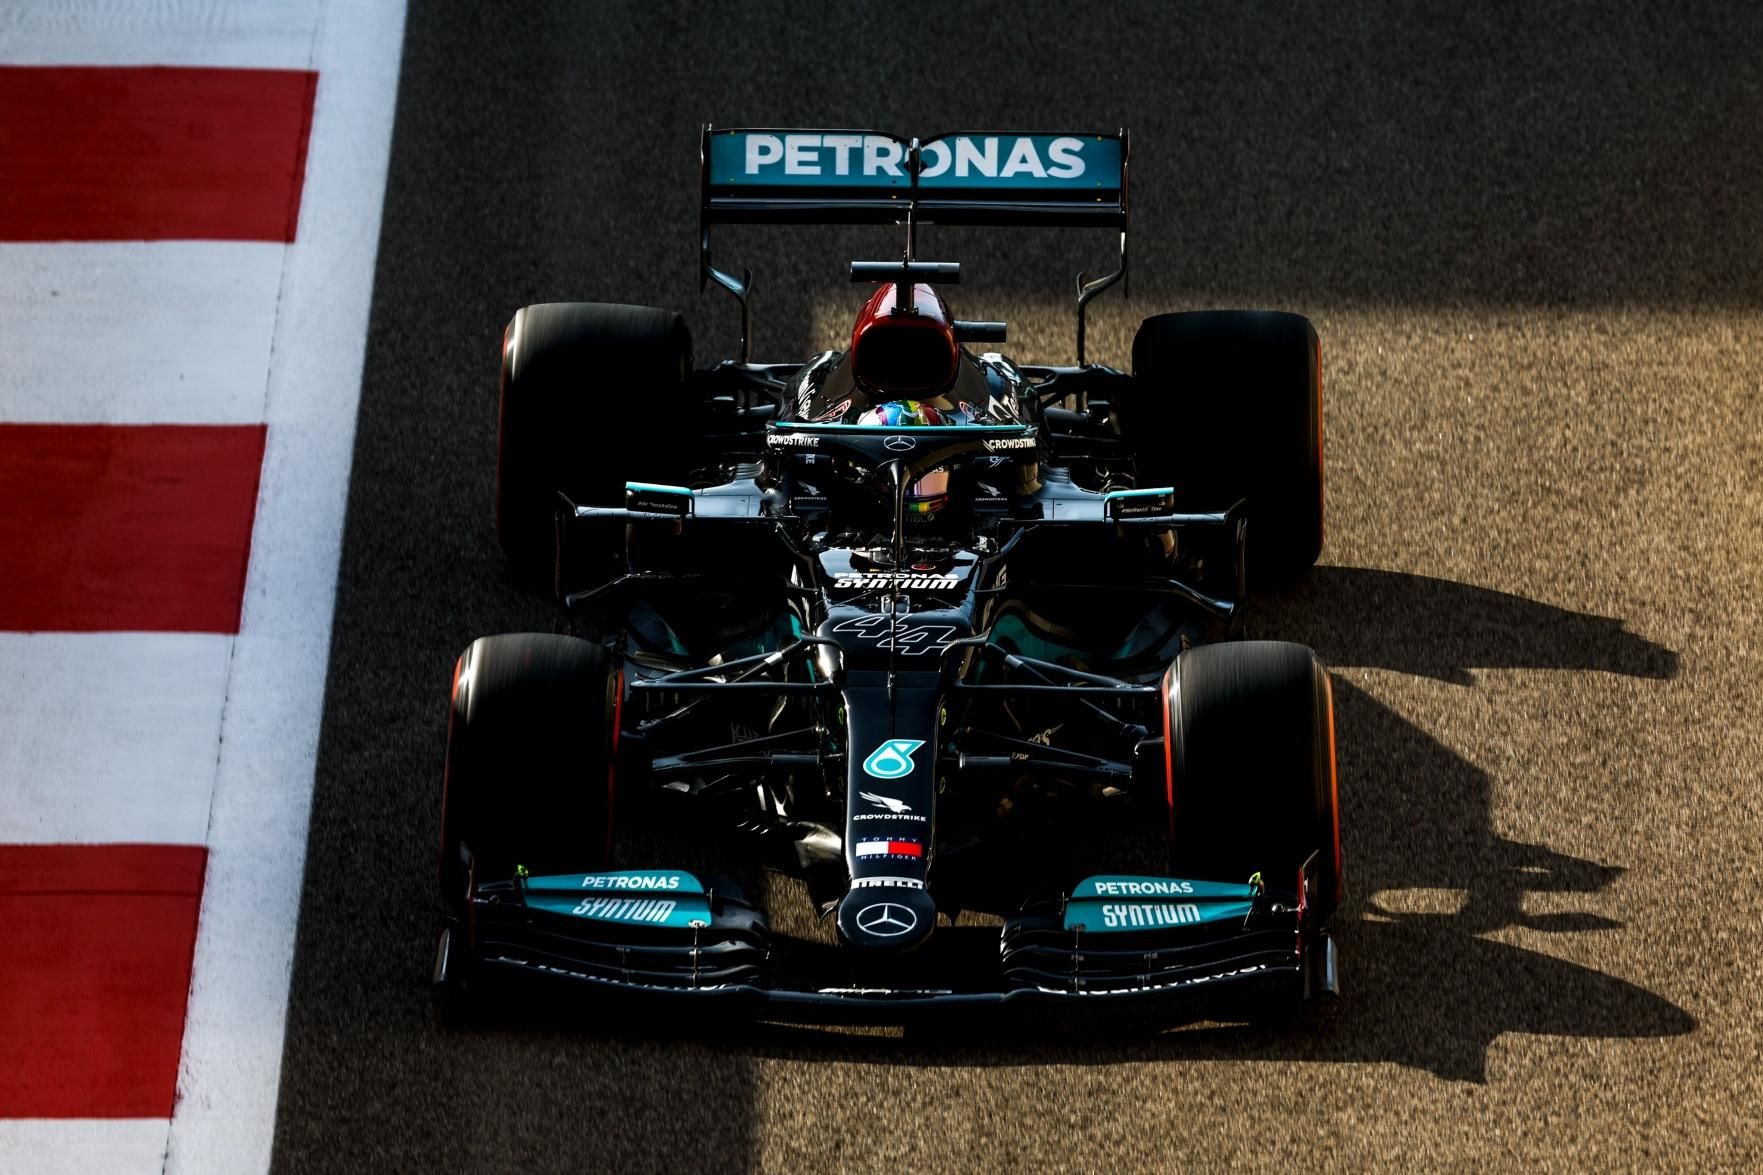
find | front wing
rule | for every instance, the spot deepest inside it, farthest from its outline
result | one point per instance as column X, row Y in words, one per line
column 718, row 953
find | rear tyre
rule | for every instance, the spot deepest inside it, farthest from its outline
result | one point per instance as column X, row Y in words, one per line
column 592, row 396
column 1251, row 784
column 530, row 777
column 1227, row 405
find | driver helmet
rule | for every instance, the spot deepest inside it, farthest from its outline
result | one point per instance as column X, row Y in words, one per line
column 929, row 493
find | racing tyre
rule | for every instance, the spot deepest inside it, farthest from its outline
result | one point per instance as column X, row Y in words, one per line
column 1227, row 405
column 1251, row 785
column 530, row 778
column 574, row 374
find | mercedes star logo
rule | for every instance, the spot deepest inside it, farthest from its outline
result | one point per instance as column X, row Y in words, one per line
column 899, row 444
column 886, row 919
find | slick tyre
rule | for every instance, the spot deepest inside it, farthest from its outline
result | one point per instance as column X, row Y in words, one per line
column 592, row 395
column 1251, row 770
column 1227, row 405
column 530, row 778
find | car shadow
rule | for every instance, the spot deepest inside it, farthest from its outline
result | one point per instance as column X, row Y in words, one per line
column 1373, row 619
column 1423, row 987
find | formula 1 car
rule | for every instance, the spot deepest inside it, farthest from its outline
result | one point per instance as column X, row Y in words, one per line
column 955, row 643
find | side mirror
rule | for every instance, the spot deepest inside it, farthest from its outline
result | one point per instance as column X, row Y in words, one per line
column 967, row 331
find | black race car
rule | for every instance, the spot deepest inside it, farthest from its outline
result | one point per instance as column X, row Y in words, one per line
column 952, row 642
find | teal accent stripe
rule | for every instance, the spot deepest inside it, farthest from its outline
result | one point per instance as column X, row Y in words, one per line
column 619, row 881
column 649, row 487
column 1125, row 887
column 796, row 630
column 1141, row 914
column 676, row 911
column 870, row 164
column 1112, row 494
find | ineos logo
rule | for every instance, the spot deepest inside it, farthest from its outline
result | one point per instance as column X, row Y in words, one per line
column 899, row 444
column 886, row 920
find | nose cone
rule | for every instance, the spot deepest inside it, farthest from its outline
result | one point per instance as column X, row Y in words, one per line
column 886, row 918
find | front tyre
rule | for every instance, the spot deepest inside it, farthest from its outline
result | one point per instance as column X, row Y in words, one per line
column 530, row 778
column 1251, row 782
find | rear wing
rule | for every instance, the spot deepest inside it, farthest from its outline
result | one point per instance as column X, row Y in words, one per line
column 868, row 177
column 754, row 175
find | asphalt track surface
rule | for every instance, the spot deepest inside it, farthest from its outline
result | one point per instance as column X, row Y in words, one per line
column 1529, row 235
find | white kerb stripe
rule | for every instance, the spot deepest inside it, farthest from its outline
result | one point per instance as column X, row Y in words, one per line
column 225, row 1118
column 236, row 34
column 81, row 1146
column 161, row 332
column 109, row 736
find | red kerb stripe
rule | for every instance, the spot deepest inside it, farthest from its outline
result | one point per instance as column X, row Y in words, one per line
column 154, row 153
column 99, row 940
column 126, row 527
